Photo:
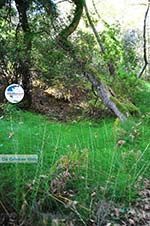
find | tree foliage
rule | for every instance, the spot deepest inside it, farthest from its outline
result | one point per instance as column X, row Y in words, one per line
column 37, row 38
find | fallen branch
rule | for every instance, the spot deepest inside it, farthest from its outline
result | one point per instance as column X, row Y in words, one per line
column 89, row 73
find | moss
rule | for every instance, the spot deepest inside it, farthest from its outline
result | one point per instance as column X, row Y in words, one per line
column 132, row 108
column 120, row 105
column 125, row 106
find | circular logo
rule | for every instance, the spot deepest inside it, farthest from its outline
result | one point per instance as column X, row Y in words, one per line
column 14, row 93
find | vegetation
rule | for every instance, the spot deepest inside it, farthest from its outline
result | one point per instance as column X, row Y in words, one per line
column 79, row 162
column 85, row 115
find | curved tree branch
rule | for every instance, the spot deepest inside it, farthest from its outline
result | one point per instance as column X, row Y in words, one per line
column 145, row 42
column 67, row 31
column 89, row 73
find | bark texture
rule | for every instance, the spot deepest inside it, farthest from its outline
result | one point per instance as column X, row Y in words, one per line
column 110, row 65
column 144, row 42
column 90, row 74
column 25, row 62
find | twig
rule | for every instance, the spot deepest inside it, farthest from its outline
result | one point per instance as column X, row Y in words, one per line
column 4, row 208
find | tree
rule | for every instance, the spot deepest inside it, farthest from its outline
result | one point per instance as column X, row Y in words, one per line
column 144, row 42
column 89, row 73
column 25, row 62
column 25, row 32
column 23, row 39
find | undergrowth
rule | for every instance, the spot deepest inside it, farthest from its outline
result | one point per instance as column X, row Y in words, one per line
column 79, row 163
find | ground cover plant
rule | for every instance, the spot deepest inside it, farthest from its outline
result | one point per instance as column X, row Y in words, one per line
column 84, row 68
column 80, row 163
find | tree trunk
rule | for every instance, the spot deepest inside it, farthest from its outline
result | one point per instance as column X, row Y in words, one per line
column 103, row 93
column 25, row 62
column 144, row 43
column 110, row 65
column 89, row 73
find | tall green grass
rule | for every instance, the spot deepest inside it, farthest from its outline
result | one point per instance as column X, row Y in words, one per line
column 99, row 168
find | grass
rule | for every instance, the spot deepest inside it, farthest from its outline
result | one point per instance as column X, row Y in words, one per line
column 81, row 159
